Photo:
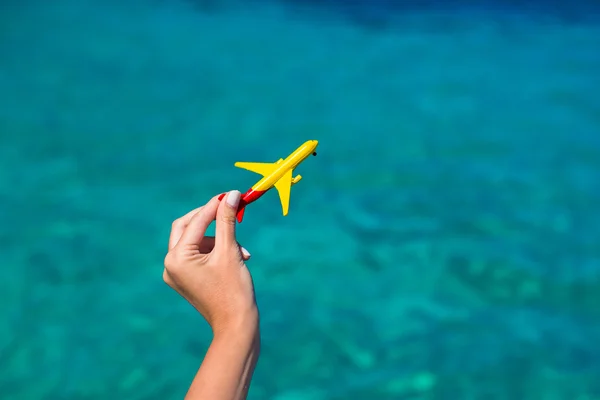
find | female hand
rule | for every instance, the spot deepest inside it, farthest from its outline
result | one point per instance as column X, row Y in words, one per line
column 209, row 272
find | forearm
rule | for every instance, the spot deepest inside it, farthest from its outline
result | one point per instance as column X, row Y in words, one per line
column 227, row 369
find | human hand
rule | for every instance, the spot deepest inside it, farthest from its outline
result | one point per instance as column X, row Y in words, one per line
column 210, row 272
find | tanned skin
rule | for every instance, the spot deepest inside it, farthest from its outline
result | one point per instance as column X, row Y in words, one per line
column 211, row 274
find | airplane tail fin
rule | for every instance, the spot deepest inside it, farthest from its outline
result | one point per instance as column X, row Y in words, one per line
column 240, row 212
column 241, row 208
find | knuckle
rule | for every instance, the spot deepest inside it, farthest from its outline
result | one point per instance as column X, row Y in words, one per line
column 167, row 278
column 176, row 223
column 171, row 262
column 228, row 218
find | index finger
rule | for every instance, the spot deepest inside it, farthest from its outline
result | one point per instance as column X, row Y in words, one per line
column 180, row 224
column 196, row 228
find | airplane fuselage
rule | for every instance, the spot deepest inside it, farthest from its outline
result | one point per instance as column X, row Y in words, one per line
column 278, row 175
column 283, row 166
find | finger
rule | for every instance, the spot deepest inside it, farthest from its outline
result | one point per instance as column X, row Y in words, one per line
column 181, row 223
column 179, row 226
column 245, row 253
column 225, row 229
column 194, row 232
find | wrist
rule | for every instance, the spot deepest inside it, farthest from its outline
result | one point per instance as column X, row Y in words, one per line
column 240, row 339
column 244, row 326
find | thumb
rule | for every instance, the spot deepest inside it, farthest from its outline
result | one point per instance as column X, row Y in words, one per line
column 225, row 229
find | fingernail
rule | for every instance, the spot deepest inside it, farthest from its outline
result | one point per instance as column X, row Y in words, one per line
column 245, row 252
column 233, row 198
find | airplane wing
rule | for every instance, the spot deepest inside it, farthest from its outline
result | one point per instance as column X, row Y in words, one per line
column 259, row 168
column 283, row 186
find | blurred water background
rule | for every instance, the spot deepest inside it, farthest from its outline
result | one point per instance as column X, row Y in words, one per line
column 443, row 245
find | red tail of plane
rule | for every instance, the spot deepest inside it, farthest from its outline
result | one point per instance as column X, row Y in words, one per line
column 240, row 213
column 241, row 208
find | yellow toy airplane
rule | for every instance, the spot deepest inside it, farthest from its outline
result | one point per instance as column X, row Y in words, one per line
column 278, row 175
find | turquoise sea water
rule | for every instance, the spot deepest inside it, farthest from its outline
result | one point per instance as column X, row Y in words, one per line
column 443, row 245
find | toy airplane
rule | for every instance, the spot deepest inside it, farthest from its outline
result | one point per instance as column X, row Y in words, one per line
column 278, row 175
